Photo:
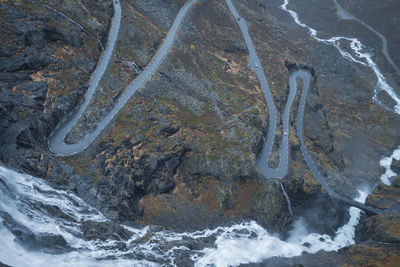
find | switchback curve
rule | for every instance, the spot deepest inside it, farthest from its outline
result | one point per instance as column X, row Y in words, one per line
column 57, row 140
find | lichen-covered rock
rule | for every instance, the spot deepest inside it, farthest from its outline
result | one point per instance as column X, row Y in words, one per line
column 396, row 181
column 384, row 227
column 381, row 228
column 182, row 152
column 45, row 62
column 380, row 255
column 384, row 197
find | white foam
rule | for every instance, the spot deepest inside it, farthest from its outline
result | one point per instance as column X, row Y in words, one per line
column 240, row 243
column 235, row 246
column 13, row 254
column 386, row 162
column 28, row 195
column 365, row 59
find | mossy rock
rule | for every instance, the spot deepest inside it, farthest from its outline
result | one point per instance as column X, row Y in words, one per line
column 384, row 197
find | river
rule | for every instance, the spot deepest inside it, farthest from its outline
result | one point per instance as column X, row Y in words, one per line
column 44, row 226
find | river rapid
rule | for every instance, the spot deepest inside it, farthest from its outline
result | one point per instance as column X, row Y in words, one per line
column 361, row 55
column 44, row 226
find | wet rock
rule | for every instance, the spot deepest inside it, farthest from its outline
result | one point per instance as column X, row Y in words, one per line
column 104, row 231
column 381, row 228
column 395, row 166
column 199, row 243
column 5, row 190
column 50, row 243
column 384, row 197
column 21, row 232
column 396, row 181
column 183, row 258
column 384, row 227
column 386, row 100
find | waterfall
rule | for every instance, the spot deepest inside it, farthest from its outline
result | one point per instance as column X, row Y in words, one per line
column 42, row 226
column 289, row 204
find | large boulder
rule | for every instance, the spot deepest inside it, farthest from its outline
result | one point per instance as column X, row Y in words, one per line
column 395, row 166
column 104, row 231
column 50, row 243
column 384, row 227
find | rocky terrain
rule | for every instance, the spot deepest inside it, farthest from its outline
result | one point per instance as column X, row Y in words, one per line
column 377, row 238
column 46, row 62
column 182, row 153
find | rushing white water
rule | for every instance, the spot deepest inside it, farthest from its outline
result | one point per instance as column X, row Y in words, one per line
column 289, row 204
column 234, row 248
column 360, row 56
column 28, row 200
column 344, row 14
column 386, row 162
column 44, row 210
column 365, row 59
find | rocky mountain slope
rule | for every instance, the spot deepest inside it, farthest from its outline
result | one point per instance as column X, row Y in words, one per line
column 182, row 152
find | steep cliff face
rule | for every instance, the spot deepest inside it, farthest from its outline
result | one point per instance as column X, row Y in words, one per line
column 188, row 139
column 47, row 53
column 384, row 228
column 347, row 132
column 377, row 238
column 182, row 152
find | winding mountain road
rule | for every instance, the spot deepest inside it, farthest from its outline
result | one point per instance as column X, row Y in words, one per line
column 358, row 56
column 305, row 76
column 57, row 140
column 57, row 143
column 256, row 67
